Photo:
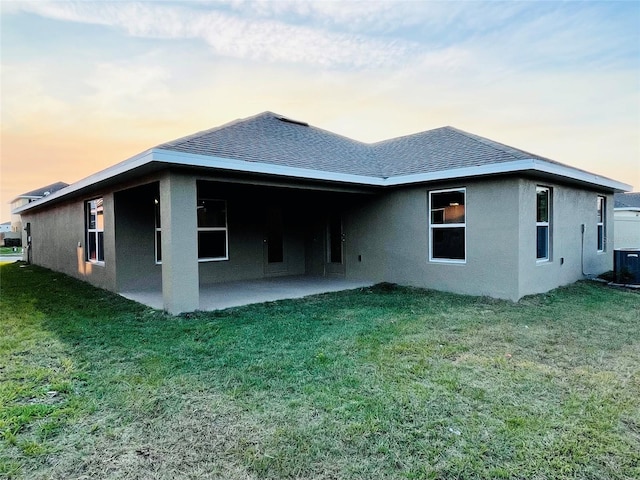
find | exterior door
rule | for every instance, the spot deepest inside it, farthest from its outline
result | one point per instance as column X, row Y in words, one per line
column 335, row 246
column 274, row 254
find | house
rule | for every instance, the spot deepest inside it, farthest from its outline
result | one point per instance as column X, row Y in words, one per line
column 28, row 197
column 626, row 215
column 269, row 196
column 5, row 233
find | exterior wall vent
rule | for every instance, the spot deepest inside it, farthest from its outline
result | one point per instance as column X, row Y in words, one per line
column 295, row 122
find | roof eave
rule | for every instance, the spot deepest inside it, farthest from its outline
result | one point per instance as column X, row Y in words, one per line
column 244, row 166
column 106, row 174
column 533, row 166
column 171, row 157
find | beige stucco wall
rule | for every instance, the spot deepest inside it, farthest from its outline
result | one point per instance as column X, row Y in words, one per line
column 58, row 241
column 386, row 236
column 571, row 208
column 627, row 229
column 392, row 237
column 135, row 238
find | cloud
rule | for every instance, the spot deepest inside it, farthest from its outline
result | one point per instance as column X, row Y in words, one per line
column 235, row 36
column 466, row 37
column 116, row 85
column 558, row 79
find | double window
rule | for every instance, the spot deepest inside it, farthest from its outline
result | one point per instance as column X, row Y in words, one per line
column 601, row 215
column 543, row 223
column 447, row 225
column 94, row 212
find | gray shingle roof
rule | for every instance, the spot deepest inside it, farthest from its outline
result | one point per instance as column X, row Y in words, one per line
column 271, row 138
column 40, row 192
column 443, row 149
column 267, row 138
column 626, row 200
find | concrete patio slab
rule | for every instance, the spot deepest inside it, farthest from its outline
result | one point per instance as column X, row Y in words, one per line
column 218, row 296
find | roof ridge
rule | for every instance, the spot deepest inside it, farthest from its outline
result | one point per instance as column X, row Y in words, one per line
column 370, row 154
column 186, row 138
column 389, row 140
column 335, row 134
column 503, row 147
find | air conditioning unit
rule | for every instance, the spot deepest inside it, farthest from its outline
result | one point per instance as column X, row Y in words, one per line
column 626, row 266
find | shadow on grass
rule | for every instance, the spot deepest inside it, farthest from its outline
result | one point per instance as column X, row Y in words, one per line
column 385, row 382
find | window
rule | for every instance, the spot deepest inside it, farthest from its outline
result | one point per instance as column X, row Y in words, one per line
column 158, row 231
column 447, row 229
column 543, row 224
column 212, row 229
column 95, row 231
column 601, row 212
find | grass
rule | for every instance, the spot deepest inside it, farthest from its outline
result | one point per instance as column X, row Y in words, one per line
column 384, row 382
column 9, row 251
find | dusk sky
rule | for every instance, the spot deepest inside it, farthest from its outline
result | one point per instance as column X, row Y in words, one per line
column 85, row 85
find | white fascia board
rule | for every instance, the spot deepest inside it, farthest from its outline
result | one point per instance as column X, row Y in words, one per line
column 118, row 169
column 510, row 167
column 171, row 157
column 580, row 175
column 195, row 160
column 206, row 161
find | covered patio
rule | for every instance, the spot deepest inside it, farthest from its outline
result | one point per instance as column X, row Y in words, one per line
column 184, row 243
column 218, row 296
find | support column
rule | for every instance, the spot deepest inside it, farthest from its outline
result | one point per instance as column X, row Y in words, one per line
column 180, row 278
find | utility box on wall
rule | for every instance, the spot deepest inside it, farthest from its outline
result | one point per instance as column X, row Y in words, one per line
column 626, row 265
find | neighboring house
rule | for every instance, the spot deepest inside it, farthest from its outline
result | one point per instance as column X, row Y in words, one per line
column 5, row 233
column 626, row 215
column 267, row 195
column 26, row 198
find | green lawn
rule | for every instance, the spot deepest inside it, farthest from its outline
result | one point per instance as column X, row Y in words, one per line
column 9, row 251
column 383, row 382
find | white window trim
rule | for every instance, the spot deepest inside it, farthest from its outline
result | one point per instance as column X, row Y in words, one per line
column 157, row 229
column 93, row 230
column 544, row 224
column 224, row 229
column 602, row 223
column 448, row 225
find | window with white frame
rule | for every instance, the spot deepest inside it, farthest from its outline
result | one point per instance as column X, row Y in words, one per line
column 543, row 223
column 212, row 229
column 601, row 214
column 95, row 230
column 447, row 225
column 158, row 231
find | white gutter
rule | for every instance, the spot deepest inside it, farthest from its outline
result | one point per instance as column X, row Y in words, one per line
column 111, row 172
column 171, row 157
column 534, row 165
column 206, row 161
